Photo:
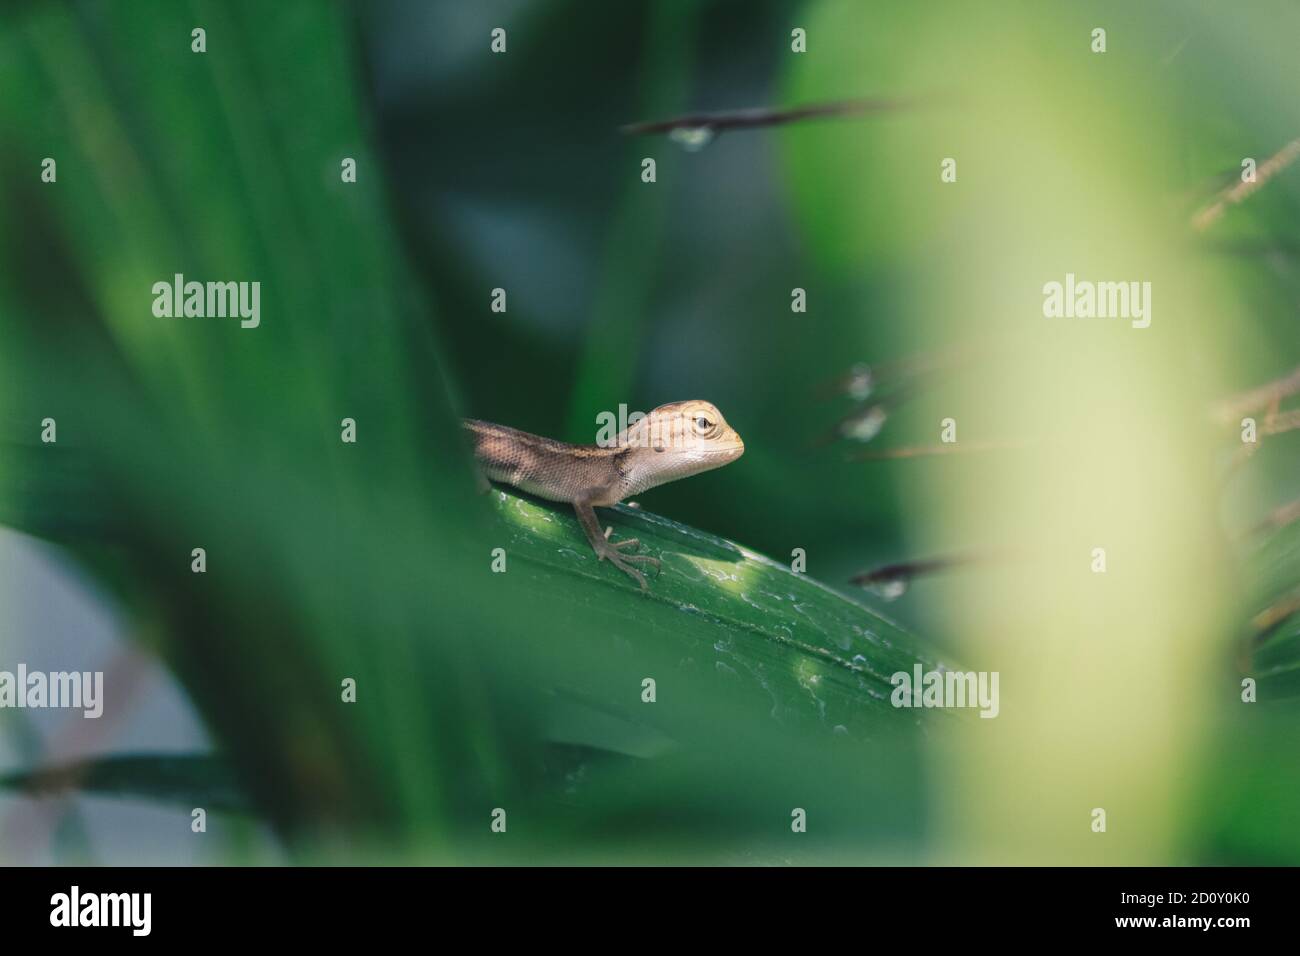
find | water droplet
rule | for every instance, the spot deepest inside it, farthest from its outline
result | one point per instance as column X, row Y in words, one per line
column 865, row 425
column 859, row 382
column 692, row 138
column 890, row 590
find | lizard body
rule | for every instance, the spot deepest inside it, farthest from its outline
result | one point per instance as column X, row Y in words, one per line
column 673, row 441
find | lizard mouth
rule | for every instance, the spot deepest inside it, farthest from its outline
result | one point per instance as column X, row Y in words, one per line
column 732, row 449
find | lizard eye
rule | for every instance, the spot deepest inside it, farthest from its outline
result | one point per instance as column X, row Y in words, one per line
column 702, row 424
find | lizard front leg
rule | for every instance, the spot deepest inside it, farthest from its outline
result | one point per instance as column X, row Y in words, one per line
column 611, row 550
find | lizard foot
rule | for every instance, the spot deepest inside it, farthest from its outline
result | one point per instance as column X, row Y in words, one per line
column 611, row 551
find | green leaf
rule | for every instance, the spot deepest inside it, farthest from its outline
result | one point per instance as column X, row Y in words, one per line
column 1273, row 571
column 185, row 780
column 817, row 653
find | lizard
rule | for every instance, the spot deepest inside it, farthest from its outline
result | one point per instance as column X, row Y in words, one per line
column 673, row 441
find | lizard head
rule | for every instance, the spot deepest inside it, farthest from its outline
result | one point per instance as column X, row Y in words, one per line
column 682, row 439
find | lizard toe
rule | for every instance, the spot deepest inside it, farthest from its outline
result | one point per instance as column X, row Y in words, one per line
column 633, row 573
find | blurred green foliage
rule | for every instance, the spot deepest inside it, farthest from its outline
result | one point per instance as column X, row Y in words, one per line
column 371, row 561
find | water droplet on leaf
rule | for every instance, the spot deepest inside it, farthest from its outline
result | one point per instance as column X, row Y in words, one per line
column 692, row 138
column 865, row 425
column 890, row 590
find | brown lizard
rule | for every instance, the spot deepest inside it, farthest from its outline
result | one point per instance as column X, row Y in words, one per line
column 674, row 441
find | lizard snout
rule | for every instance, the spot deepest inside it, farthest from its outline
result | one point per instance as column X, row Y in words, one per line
column 736, row 445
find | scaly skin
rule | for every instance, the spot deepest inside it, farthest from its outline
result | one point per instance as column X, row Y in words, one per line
column 674, row 441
